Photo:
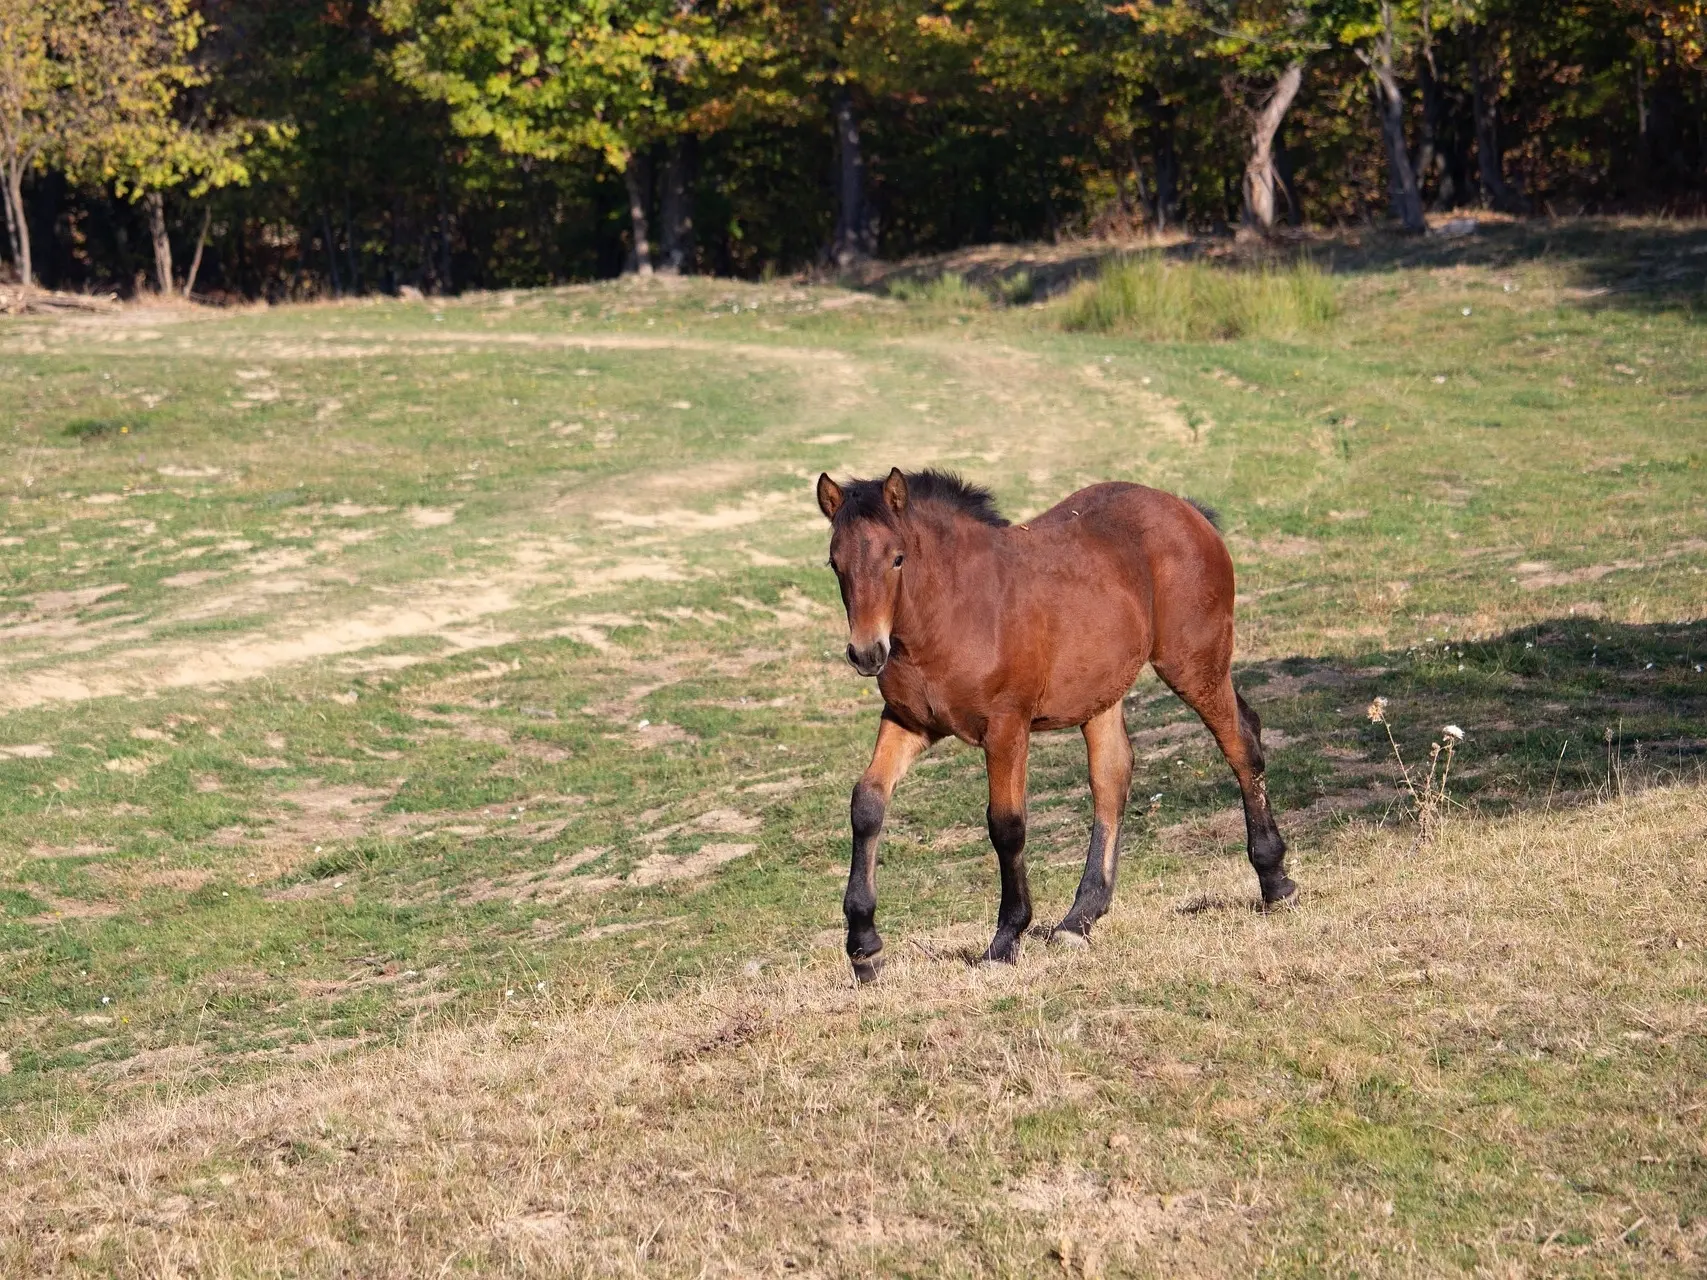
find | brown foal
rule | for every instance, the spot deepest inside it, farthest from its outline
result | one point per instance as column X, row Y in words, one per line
column 991, row 631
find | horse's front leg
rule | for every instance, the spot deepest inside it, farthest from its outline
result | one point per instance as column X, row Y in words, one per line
column 1006, row 747
column 897, row 748
column 1110, row 752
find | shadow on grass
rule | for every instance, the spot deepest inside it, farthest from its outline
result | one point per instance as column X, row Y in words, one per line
column 1630, row 264
column 1561, row 712
column 1626, row 264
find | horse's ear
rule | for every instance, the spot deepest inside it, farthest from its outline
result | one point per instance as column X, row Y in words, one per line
column 829, row 496
column 895, row 491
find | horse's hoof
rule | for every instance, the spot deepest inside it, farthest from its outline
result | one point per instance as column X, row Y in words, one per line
column 866, row 968
column 1279, row 894
column 1070, row 939
column 1002, row 955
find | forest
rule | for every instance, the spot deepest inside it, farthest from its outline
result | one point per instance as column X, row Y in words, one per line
column 279, row 149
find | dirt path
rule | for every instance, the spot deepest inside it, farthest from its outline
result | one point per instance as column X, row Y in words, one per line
column 634, row 527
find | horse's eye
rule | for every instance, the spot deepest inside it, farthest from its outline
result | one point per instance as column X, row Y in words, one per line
column 898, row 560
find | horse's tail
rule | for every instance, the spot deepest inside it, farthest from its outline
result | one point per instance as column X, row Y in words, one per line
column 1208, row 512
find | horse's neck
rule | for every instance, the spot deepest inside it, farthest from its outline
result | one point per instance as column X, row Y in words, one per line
column 934, row 599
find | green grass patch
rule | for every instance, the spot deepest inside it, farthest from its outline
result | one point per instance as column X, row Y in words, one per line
column 948, row 291
column 1151, row 297
column 99, row 428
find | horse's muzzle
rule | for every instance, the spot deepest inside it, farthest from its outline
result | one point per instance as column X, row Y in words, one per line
column 870, row 660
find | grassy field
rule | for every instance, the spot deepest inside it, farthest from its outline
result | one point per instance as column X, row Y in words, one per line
column 425, row 748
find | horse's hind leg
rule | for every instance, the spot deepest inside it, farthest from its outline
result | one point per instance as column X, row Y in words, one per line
column 1263, row 843
column 1110, row 752
column 1238, row 732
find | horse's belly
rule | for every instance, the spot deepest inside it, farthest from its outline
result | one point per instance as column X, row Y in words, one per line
column 1093, row 666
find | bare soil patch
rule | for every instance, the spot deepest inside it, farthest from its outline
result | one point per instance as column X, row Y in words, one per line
column 302, row 818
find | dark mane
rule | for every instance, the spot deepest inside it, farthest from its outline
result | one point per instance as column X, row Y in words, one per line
column 863, row 499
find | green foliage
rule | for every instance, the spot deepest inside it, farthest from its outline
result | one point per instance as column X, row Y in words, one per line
column 463, row 145
column 98, row 90
column 552, row 80
column 1150, row 297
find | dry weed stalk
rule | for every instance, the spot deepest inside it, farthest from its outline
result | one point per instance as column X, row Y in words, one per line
column 1430, row 802
column 1614, row 761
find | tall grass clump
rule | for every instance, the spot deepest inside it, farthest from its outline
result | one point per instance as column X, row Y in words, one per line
column 951, row 291
column 1197, row 302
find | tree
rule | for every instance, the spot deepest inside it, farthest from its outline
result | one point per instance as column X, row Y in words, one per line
column 26, row 86
column 819, row 58
column 155, row 140
column 1269, row 44
column 1121, row 74
column 553, row 78
column 45, row 92
column 1375, row 35
column 94, row 89
column 1683, row 23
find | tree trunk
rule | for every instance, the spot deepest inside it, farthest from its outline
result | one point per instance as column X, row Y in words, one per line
column 638, row 176
column 155, row 203
column 853, row 228
column 1166, row 200
column 1138, row 187
column 352, row 251
column 1288, row 185
column 196, row 261
column 1048, row 189
column 1402, row 179
column 17, row 225
column 393, row 255
column 1641, row 113
column 1428, row 157
column 443, row 271
column 1261, row 177
column 678, row 206
column 1123, row 197
column 330, row 244
column 1490, row 164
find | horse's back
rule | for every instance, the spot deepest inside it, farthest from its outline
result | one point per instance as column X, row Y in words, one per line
column 1128, row 574
column 1153, row 533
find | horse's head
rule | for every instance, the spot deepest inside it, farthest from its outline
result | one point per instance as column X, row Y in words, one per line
column 867, row 548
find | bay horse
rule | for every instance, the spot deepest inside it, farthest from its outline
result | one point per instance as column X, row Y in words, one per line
column 992, row 631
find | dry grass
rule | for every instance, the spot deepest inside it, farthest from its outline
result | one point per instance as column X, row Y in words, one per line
column 1486, row 1057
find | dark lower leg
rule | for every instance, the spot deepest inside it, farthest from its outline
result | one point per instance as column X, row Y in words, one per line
column 1007, row 834
column 1005, row 751
column 1096, row 885
column 1238, row 732
column 859, row 902
column 896, row 749
column 1263, row 843
column 1110, row 753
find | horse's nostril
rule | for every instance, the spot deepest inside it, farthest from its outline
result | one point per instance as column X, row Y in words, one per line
column 871, row 660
